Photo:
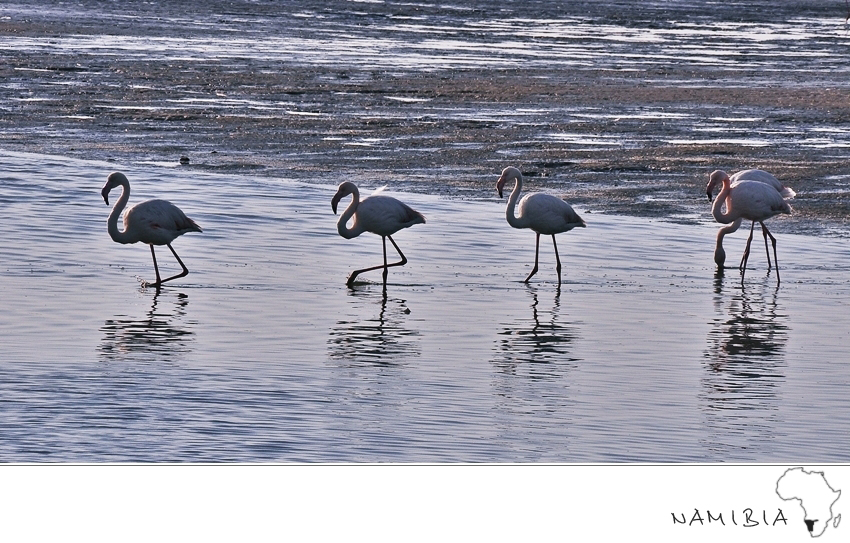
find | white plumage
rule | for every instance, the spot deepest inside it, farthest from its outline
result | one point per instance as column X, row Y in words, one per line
column 716, row 178
column 155, row 222
column 749, row 199
column 543, row 213
column 381, row 215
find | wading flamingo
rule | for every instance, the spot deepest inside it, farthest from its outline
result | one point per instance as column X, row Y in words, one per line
column 155, row 222
column 543, row 213
column 753, row 201
column 716, row 178
column 381, row 215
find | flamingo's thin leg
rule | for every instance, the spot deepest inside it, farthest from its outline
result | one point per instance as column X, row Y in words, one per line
column 536, row 254
column 766, row 248
column 773, row 241
column 557, row 259
column 185, row 271
column 401, row 262
column 746, row 256
column 386, row 269
column 155, row 268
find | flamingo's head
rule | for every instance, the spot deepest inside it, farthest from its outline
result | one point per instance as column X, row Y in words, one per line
column 717, row 177
column 508, row 174
column 342, row 191
column 719, row 257
column 115, row 179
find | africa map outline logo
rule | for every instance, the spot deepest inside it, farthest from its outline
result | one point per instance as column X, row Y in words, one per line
column 815, row 495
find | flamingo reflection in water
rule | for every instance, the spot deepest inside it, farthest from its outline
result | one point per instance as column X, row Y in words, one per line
column 160, row 334
column 744, row 368
column 381, row 340
column 540, row 341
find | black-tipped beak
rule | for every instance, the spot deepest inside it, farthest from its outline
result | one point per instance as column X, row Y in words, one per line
column 105, row 194
column 709, row 196
column 335, row 201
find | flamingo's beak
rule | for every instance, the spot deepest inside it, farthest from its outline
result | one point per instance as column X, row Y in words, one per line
column 708, row 193
column 105, row 194
column 499, row 185
column 335, row 201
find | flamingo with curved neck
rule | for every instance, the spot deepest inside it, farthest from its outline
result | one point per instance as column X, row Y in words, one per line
column 381, row 215
column 716, row 178
column 751, row 200
column 155, row 222
column 543, row 213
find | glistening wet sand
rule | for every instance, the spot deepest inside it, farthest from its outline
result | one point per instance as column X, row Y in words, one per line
column 263, row 354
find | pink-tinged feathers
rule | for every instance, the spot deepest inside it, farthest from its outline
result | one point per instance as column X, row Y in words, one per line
column 381, row 215
column 543, row 213
column 156, row 222
column 750, row 200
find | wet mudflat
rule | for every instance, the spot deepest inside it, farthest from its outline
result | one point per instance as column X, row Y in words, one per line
column 622, row 107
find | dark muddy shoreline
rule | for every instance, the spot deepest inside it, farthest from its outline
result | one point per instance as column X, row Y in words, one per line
column 599, row 134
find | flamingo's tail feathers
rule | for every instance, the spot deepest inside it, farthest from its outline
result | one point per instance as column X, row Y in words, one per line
column 411, row 216
column 190, row 226
column 416, row 218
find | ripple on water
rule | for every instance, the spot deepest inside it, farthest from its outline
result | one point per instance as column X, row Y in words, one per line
column 262, row 354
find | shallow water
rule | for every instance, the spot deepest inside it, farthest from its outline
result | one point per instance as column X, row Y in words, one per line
column 262, row 354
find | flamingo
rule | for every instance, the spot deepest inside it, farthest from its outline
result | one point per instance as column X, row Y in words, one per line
column 754, row 201
column 716, row 178
column 155, row 222
column 381, row 215
column 543, row 213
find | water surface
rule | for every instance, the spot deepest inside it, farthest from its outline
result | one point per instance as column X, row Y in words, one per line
column 263, row 354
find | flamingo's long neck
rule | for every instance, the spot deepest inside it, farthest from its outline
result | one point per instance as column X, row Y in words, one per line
column 112, row 222
column 510, row 211
column 719, row 253
column 342, row 223
column 717, row 212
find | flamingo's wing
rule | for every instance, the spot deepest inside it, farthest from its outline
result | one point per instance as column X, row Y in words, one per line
column 384, row 215
column 763, row 177
column 158, row 221
column 548, row 215
column 757, row 201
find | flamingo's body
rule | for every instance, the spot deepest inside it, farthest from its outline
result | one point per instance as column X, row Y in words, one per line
column 155, row 222
column 543, row 213
column 751, row 200
column 381, row 215
column 716, row 178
